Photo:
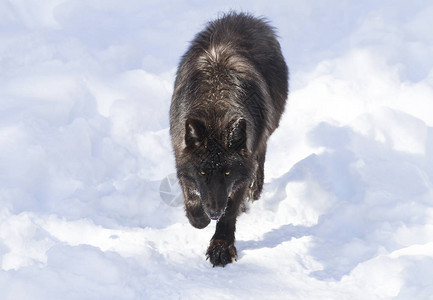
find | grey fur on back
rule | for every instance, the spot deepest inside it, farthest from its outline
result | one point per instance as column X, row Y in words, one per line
column 233, row 68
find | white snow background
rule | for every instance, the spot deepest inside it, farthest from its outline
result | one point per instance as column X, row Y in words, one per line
column 347, row 208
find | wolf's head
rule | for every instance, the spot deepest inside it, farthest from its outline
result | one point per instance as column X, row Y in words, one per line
column 217, row 161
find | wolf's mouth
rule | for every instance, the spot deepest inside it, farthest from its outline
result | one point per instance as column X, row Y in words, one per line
column 217, row 215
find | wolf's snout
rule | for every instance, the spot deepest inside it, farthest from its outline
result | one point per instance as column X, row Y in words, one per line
column 215, row 214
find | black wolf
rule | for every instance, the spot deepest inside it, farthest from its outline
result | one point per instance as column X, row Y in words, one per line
column 230, row 91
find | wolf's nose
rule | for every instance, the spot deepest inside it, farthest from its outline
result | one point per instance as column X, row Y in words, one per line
column 215, row 214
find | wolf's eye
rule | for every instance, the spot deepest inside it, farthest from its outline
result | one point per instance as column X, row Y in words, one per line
column 202, row 173
column 227, row 173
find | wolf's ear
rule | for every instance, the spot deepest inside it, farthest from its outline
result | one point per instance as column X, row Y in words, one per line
column 194, row 132
column 237, row 138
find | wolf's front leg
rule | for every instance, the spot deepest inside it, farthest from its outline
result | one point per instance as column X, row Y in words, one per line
column 222, row 248
column 193, row 207
column 257, row 186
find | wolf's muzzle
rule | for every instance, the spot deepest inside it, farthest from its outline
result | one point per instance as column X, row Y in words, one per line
column 215, row 214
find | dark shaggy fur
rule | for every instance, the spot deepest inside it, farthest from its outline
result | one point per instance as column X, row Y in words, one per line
column 230, row 91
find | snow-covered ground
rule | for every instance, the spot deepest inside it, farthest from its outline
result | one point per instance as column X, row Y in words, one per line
column 347, row 208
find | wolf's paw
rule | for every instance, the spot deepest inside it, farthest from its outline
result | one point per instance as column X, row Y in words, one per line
column 221, row 252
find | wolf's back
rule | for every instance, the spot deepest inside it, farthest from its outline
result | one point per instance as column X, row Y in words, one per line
column 233, row 69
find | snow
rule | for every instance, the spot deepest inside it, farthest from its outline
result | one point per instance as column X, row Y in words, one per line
column 89, row 207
